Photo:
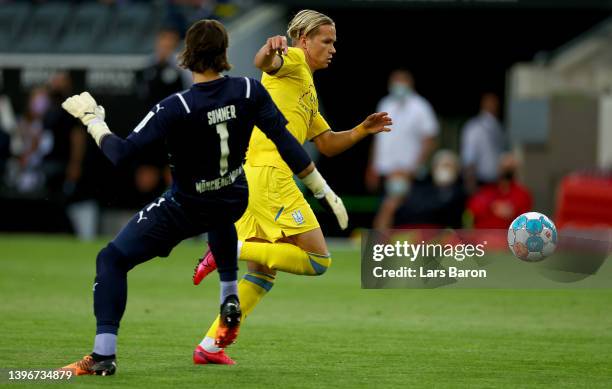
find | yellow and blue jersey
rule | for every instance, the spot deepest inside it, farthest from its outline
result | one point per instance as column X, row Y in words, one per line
column 293, row 91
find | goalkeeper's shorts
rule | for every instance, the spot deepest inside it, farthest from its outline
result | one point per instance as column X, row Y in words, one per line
column 277, row 207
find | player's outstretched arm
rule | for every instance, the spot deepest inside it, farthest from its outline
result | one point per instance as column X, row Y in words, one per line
column 92, row 115
column 268, row 59
column 331, row 143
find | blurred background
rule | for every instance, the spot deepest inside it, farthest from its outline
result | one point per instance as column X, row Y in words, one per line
column 500, row 107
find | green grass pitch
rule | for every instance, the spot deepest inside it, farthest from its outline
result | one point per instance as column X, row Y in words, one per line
column 308, row 332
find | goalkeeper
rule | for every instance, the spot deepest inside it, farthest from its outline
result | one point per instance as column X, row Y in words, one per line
column 279, row 231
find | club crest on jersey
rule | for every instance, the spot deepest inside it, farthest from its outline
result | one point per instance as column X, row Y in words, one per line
column 298, row 217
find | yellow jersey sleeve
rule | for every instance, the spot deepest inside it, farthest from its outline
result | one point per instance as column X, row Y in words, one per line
column 290, row 62
column 317, row 127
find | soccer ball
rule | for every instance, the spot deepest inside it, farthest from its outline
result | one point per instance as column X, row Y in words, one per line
column 532, row 237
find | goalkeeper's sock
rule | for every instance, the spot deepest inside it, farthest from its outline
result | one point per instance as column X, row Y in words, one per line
column 228, row 288
column 105, row 344
column 251, row 289
column 285, row 257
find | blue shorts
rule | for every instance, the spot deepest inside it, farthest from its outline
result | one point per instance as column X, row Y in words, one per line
column 156, row 229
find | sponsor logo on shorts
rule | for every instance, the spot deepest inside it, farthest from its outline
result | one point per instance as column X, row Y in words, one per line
column 298, row 217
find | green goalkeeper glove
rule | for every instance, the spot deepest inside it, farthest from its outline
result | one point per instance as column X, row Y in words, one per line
column 322, row 192
column 85, row 108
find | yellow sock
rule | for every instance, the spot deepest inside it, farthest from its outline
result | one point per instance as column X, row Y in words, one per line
column 251, row 289
column 285, row 257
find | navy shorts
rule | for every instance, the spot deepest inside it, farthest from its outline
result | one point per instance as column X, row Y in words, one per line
column 156, row 229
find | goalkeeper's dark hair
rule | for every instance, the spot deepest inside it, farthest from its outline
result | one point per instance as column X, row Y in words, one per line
column 205, row 47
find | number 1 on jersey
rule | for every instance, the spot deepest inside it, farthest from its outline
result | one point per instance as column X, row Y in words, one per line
column 223, row 136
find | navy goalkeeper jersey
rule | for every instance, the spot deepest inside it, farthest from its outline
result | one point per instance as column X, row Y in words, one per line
column 207, row 130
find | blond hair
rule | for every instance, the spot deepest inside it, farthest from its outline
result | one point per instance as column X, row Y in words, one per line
column 307, row 22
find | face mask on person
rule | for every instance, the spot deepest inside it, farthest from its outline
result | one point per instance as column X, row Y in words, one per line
column 444, row 176
column 399, row 90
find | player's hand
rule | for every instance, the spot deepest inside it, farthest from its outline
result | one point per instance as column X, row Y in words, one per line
column 84, row 108
column 321, row 191
column 377, row 122
column 332, row 202
column 277, row 44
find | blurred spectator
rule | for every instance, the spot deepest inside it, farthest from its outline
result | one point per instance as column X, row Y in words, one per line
column 482, row 143
column 65, row 163
column 7, row 127
column 398, row 155
column 496, row 205
column 438, row 200
column 29, row 145
column 151, row 178
column 162, row 76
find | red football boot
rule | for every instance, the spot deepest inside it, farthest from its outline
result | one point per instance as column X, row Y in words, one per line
column 203, row 357
column 205, row 266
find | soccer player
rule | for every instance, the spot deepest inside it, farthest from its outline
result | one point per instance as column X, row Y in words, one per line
column 206, row 130
column 279, row 230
